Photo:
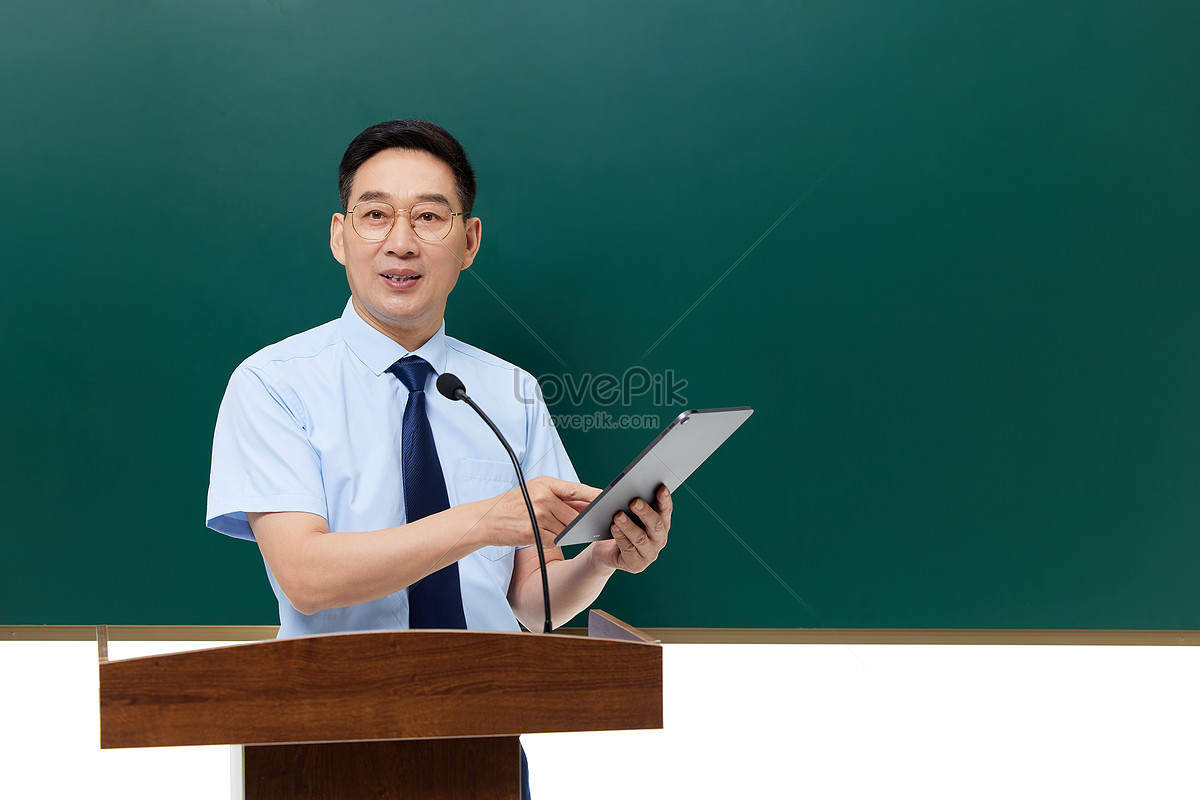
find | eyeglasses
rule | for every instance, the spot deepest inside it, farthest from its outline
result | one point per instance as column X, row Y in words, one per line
column 373, row 219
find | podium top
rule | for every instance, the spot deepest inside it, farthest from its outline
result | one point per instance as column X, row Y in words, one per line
column 381, row 685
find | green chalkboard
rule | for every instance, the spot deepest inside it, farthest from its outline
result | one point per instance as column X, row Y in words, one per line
column 947, row 250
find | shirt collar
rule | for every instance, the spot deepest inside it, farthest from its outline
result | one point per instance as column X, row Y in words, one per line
column 379, row 351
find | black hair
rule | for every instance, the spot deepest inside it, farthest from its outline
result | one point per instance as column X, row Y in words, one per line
column 408, row 134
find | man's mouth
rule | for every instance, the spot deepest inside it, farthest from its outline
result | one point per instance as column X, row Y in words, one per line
column 400, row 278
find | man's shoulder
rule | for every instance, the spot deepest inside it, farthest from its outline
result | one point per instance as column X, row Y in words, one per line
column 298, row 348
column 479, row 359
column 486, row 375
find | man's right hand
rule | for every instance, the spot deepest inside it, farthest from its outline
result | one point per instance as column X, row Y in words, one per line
column 555, row 503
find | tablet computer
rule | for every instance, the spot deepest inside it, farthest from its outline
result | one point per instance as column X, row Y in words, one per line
column 686, row 443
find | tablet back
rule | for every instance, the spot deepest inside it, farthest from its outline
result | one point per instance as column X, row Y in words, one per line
column 683, row 446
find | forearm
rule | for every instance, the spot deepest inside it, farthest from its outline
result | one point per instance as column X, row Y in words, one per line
column 319, row 570
column 574, row 584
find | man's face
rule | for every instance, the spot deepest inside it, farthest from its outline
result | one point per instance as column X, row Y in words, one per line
column 400, row 284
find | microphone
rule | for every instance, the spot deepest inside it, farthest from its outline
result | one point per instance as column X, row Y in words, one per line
column 451, row 387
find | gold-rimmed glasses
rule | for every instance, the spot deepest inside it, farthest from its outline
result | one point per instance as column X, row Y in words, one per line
column 373, row 219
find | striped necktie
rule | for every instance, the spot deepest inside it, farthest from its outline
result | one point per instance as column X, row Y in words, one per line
column 435, row 601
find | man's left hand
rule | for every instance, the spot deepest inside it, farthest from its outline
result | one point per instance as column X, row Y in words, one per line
column 633, row 548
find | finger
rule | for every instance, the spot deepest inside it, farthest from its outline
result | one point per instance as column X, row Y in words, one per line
column 569, row 490
column 666, row 503
column 553, row 513
column 630, row 558
column 562, row 514
column 653, row 523
column 636, row 535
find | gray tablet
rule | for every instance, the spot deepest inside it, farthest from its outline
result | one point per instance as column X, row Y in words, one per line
column 691, row 438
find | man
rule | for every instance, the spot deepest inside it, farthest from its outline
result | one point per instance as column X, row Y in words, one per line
column 309, row 452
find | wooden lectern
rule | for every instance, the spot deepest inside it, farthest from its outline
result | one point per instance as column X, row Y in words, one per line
column 389, row 714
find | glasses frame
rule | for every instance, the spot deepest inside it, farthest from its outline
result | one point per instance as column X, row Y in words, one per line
column 408, row 213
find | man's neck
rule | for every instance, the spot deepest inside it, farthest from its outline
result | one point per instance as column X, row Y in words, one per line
column 410, row 338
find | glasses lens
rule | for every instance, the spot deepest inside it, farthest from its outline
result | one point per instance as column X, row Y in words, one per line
column 373, row 220
column 431, row 221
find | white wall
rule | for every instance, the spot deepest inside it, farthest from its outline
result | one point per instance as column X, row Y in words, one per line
column 814, row 721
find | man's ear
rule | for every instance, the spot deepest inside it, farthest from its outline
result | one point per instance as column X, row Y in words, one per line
column 474, row 229
column 336, row 241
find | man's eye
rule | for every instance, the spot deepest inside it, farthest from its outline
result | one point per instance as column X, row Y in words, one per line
column 376, row 215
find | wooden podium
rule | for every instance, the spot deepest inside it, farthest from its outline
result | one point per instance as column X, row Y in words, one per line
column 396, row 714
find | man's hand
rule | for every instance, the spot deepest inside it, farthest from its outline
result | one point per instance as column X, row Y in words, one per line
column 632, row 549
column 576, row 582
column 555, row 504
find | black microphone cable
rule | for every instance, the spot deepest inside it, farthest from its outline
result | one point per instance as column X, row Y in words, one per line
column 452, row 388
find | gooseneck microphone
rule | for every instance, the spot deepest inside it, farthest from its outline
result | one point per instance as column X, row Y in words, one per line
column 450, row 387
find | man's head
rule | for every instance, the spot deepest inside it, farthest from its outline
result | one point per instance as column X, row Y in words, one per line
column 408, row 134
column 405, row 233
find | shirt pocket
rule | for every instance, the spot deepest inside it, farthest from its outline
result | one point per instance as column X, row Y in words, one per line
column 480, row 479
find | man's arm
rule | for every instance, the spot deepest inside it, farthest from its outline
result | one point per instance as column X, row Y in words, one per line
column 317, row 569
column 576, row 582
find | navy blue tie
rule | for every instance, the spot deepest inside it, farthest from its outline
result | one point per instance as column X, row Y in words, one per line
column 435, row 601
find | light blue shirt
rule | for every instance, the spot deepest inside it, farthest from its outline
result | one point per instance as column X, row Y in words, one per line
column 313, row 424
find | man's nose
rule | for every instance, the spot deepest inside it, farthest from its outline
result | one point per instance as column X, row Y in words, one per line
column 402, row 239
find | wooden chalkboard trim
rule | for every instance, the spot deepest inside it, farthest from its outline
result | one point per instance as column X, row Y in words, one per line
column 922, row 636
column 138, row 633
column 249, row 633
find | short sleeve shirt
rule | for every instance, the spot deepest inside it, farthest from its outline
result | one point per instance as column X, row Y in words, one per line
column 313, row 424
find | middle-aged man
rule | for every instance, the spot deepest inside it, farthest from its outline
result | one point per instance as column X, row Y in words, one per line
column 376, row 502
